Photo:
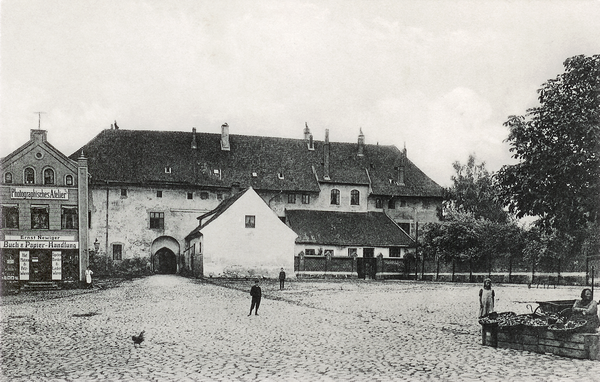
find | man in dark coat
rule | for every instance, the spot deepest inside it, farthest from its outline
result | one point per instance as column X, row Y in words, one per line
column 281, row 279
column 256, row 294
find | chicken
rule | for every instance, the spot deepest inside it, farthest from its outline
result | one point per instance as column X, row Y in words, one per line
column 137, row 340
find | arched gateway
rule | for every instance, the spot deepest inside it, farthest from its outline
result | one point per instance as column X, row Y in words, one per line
column 165, row 252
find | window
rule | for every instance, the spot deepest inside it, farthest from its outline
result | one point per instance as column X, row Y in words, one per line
column 69, row 218
column 8, row 178
column 203, row 195
column 305, row 198
column 159, row 194
column 354, row 197
column 250, row 221
column 394, row 251
column 40, row 218
column 378, row 203
column 48, row 176
column 291, row 198
column 190, row 195
column 219, row 196
column 402, row 203
column 10, row 217
column 328, row 252
column 157, row 220
column 69, row 180
column 89, row 219
column 391, row 204
column 335, row 197
column 117, row 251
column 405, row 227
column 123, row 192
column 352, row 252
column 29, row 176
column 310, row 252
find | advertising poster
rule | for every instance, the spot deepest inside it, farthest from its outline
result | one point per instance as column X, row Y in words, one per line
column 56, row 265
column 24, row 265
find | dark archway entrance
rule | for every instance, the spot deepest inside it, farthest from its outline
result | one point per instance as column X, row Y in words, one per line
column 165, row 261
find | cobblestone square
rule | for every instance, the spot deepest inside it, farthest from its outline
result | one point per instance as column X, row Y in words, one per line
column 311, row 331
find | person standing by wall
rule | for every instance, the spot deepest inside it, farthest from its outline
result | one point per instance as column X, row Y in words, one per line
column 88, row 278
column 281, row 279
column 486, row 298
column 256, row 294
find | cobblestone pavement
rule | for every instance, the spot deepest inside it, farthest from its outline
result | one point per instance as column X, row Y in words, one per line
column 311, row 331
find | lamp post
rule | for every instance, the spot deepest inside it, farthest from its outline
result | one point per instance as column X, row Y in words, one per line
column 96, row 248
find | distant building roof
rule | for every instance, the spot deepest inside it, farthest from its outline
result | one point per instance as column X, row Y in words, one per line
column 265, row 163
column 346, row 228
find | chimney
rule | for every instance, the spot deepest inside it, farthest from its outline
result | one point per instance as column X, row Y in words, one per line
column 194, row 142
column 326, row 152
column 361, row 143
column 306, row 131
column 38, row 135
column 311, row 142
column 402, row 167
column 225, row 137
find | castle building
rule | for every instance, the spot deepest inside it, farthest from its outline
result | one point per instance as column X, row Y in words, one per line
column 148, row 188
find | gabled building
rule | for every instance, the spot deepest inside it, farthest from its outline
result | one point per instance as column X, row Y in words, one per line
column 241, row 237
column 148, row 187
column 43, row 232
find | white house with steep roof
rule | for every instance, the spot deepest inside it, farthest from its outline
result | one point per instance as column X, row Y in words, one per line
column 241, row 237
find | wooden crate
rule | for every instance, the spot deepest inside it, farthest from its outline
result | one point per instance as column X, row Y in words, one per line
column 577, row 345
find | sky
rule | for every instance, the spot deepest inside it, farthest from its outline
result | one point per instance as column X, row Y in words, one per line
column 439, row 77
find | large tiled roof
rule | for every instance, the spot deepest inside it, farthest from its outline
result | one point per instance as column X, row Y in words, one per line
column 141, row 156
column 346, row 228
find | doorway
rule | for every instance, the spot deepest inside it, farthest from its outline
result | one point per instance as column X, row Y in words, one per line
column 165, row 261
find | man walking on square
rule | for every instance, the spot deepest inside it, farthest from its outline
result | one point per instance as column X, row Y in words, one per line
column 281, row 279
column 256, row 293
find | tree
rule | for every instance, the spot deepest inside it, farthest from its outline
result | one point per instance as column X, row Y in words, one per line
column 473, row 192
column 558, row 148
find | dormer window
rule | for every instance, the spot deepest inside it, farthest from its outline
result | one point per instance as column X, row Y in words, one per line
column 8, row 179
column 48, row 176
column 167, row 170
column 280, row 175
column 254, row 175
column 29, row 176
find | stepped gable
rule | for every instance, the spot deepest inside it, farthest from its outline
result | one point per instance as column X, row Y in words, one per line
column 143, row 157
column 362, row 229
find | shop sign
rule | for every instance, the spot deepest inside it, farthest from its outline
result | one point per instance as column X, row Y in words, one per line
column 24, row 265
column 39, row 193
column 56, row 265
column 40, row 237
column 26, row 244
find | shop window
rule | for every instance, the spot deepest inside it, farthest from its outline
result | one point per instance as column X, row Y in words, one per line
column 117, row 250
column 159, row 194
column 394, row 251
column 250, row 221
column 378, row 203
column 335, row 197
column 190, row 195
column 8, row 178
column 40, row 217
column 402, row 203
column 10, row 217
column 354, row 197
column 392, row 204
column 48, row 176
column 310, row 252
column 157, row 220
column 203, row 195
column 69, row 218
column 69, row 180
column 29, row 176
column 123, row 192
column 292, row 198
column 219, row 196
column 305, row 199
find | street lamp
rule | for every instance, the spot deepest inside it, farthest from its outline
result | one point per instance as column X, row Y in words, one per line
column 95, row 251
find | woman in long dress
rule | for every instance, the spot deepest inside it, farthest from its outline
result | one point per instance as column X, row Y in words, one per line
column 486, row 298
